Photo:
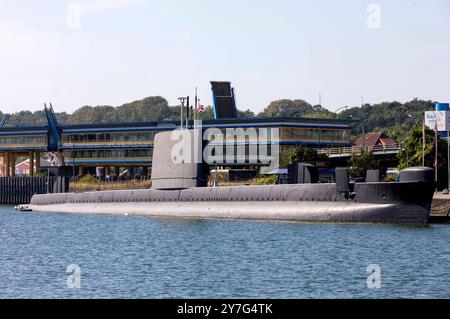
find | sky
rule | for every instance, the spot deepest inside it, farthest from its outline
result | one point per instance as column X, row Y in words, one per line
column 110, row 52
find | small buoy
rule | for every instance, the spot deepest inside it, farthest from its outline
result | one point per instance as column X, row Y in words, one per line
column 126, row 214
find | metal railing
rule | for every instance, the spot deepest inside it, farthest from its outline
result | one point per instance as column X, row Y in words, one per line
column 356, row 150
column 113, row 179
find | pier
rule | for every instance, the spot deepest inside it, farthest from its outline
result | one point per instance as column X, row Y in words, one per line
column 440, row 209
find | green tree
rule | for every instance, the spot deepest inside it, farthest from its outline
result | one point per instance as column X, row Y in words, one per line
column 293, row 108
column 394, row 118
column 154, row 108
column 359, row 164
column 91, row 115
column 247, row 113
column 412, row 152
column 303, row 154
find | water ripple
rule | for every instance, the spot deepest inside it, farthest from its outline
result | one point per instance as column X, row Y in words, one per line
column 137, row 257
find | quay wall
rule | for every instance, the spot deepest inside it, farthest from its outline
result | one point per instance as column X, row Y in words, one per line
column 19, row 190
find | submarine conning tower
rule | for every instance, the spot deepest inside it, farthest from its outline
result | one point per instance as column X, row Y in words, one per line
column 177, row 160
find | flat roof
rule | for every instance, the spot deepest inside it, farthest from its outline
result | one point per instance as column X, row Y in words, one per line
column 213, row 121
column 167, row 124
column 21, row 128
column 31, row 130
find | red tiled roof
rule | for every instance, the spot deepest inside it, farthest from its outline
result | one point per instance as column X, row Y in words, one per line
column 375, row 138
column 388, row 141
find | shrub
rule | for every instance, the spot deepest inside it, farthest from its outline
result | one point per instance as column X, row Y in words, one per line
column 359, row 164
column 392, row 178
column 89, row 179
column 267, row 180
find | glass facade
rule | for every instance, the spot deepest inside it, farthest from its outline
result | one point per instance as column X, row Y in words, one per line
column 314, row 134
column 250, row 134
column 146, row 137
column 298, row 134
column 237, row 154
column 109, row 154
column 245, row 149
column 285, row 134
column 135, row 146
column 23, row 140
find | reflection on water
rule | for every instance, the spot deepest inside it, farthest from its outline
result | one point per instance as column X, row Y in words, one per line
column 142, row 257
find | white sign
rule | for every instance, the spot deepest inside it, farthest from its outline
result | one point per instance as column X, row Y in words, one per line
column 430, row 120
column 439, row 119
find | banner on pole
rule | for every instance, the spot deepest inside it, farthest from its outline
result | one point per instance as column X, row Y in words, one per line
column 439, row 119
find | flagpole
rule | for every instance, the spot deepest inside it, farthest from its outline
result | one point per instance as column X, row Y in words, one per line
column 423, row 144
column 195, row 109
column 436, row 155
column 187, row 112
column 181, row 115
column 448, row 160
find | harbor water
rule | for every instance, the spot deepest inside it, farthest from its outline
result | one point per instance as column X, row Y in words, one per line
column 139, row 257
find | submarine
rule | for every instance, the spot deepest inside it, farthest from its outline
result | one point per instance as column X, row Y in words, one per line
column 179, row 191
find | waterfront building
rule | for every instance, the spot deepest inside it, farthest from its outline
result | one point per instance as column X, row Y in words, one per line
column 118, row 146
column 131, row 144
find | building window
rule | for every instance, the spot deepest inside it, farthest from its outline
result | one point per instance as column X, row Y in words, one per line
column 113, row 138
column 23, row 140
column 110, row 154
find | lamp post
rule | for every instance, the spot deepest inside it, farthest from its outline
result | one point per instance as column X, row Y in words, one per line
column 407, row 155
column 363, row 133
column 448, row 160
column 361, row 124
column 423, row 143
column 341, row 108
column 182, row 101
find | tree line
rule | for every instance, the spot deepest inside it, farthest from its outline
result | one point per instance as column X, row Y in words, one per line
column 394, row 118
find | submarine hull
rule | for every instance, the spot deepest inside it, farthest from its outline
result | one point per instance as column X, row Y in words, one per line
column 286, row 211
column 402, row 202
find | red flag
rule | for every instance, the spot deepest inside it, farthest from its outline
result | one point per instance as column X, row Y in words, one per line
column 201, row 108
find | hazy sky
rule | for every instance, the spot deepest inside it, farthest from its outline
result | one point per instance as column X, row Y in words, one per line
column 94, row 52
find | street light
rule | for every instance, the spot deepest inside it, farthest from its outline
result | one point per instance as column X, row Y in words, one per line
column 407, row 155
column 341, row 108
column 182, row 101
column 363, row 132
